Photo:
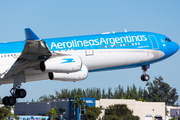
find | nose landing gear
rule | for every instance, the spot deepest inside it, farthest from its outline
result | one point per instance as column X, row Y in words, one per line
column 145, row 77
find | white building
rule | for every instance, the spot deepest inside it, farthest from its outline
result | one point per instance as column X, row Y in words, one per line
column 173, row 112
column 145, row 110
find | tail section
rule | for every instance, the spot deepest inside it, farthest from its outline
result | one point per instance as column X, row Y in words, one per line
column 30, row 35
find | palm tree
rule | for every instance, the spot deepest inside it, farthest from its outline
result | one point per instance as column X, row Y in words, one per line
column 53, row 113
column 79, row 102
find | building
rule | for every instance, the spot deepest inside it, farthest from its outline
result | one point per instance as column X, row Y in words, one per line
column 41, row 108
column 145, row 110
column 173, row 112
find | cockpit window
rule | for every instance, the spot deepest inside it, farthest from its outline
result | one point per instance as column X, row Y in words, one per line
column 168, row 40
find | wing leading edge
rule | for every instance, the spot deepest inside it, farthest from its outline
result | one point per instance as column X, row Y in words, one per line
column 35, row 50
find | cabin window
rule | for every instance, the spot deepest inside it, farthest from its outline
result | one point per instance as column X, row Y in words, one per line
column 126, row 44
column 75, row 49
column 121, row 45
column 132, row 43
column 109, row 46
column 4, row 55
column 135, row 43
column 100, row 47
column 138, row 43
column 114, row 45
column 118, row 45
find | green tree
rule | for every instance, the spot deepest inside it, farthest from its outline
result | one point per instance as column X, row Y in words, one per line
column 84, row 94
column 98, row 93
column 3, row 113
column 103, row 94
column 53, row 113
column 92, row 113
column 109, row 94
column 62, row 111
column 120, row 110
column 159, row 91
column 145, row 95
column 44, row 98
column 134, row 93
column 112, row 117
column 79, row 102
column 117, row 109
column 128, row 93
column 172, row 119
column 9, row 114
column 119, row 93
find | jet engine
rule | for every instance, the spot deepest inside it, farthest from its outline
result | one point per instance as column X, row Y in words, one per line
column 63, row 64
column 74, row 76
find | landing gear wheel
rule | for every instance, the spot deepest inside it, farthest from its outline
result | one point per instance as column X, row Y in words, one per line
column 145, row 77
column 16, row 92
column 5, row 100
column 21, row 93
column 12, row 100
column 9, row 100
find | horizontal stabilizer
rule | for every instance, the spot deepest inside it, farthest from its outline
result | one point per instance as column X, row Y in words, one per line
column 30, row 35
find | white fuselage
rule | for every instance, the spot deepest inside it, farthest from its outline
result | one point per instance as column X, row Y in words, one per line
column 100, row 59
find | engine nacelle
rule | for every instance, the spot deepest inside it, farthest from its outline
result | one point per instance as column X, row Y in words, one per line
column 61, row 64
column 74, row 76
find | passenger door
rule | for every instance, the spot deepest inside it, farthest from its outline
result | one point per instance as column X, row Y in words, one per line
column 88, row 48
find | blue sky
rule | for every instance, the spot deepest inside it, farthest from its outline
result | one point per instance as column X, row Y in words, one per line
column 59, row 18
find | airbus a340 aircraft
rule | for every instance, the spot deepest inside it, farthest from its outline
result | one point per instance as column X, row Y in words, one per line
column 71, row 58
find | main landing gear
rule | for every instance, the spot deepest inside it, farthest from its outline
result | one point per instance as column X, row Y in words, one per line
column 145, row 77
column 16, row 92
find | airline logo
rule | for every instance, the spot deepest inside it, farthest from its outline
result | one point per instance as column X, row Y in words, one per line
column 67, row 60
column 100, row 41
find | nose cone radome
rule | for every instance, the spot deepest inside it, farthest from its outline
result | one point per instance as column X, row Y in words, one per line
column 173, row 47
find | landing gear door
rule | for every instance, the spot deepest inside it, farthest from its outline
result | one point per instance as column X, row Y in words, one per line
column 88, row 48
column 154, row 42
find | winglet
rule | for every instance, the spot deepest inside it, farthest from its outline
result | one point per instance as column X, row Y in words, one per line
column 30, row 35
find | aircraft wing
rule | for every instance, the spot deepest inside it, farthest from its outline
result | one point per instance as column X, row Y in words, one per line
column 35, row 50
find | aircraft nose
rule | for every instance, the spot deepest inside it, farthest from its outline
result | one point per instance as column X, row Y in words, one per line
column 173, row 47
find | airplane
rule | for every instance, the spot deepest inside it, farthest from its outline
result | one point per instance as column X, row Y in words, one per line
column 71, row 58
